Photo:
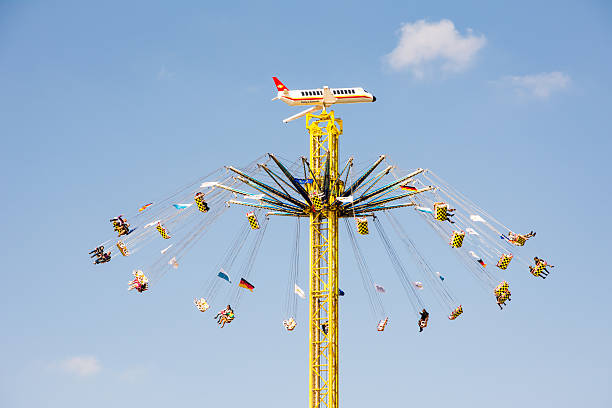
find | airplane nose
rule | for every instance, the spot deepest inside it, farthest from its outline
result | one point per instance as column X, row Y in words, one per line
column 373, row 98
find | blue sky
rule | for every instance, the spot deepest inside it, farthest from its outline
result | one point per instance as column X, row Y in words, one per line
column 105, row 106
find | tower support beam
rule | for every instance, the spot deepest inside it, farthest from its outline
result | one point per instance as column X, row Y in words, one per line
column 323, row 130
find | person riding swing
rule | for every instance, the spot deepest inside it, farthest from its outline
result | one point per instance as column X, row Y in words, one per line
column 423, row 320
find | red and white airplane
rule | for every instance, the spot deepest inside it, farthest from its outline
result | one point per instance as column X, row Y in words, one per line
column 319, row 97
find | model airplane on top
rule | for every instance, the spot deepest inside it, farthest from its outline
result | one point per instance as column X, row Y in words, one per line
column 319, row 97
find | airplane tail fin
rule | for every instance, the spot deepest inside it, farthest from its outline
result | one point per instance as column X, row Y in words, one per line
column 279, row 85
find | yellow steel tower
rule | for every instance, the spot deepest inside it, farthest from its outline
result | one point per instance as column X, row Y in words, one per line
column 324, row 200
column 323, row 130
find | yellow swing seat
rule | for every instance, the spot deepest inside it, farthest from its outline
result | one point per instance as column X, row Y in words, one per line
column 362, row 225
column 502, row 287
column 123, row 248
column 440, row 211
column 539, row 268
column 456, row 313
column 457, row 239
column 252, row 218
column 162, row 231
column 517, row 239
column 315, row 197
column 503, row 297
column 202, row 205
column 504, row 261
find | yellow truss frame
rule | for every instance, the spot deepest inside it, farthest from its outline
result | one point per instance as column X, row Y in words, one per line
column 324, row 130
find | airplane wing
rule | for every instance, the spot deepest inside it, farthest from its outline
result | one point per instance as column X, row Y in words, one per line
column 328, row 97
column 303, row 113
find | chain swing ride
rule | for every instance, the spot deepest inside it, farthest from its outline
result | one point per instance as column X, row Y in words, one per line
column 316, row 188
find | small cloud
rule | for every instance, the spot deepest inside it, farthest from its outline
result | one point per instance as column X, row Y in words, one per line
column 421, row 44
column 82, row 366
column 538, row 85
column 164, row 74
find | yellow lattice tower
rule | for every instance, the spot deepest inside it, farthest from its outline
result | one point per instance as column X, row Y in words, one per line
column 324, row 130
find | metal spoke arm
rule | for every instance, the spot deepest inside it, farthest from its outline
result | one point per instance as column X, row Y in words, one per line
column 266, row 207
column 375, row 179
column 268, row 188
column 278, row 178
column 365, row 175
column 289, row 176
column 384, row 200
column 387, row 188
column 272, row 200
column 383, row 208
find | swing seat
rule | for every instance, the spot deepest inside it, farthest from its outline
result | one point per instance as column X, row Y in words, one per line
column 290, row 324
column 122, row 229
column 440, row 211
column 201, row 304
column 252, row 220
column 504, row 261
column 362, row 225
column 518, row 240
column 123, row 248
column 202, row 205
column 317, row 204
column 382, row 324
column 539, row 268
column 501, row 299
column 140, row 283
column 502, row 289
column 456, row 313
column 162, row 231
column 457, row 239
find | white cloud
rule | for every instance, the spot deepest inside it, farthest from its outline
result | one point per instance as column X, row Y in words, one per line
column 81, row 366
column 538, row 85
column 423, row 43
